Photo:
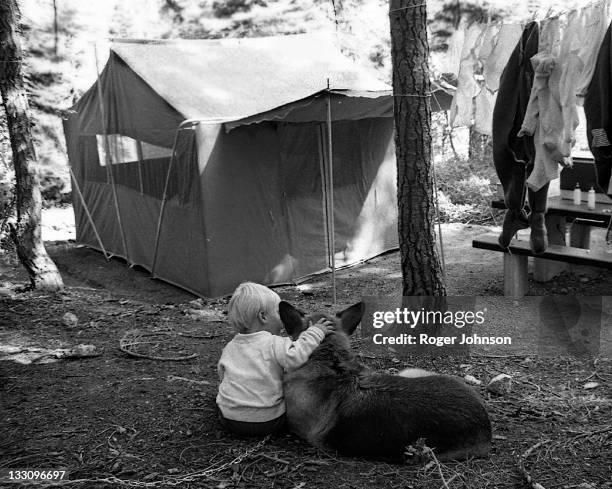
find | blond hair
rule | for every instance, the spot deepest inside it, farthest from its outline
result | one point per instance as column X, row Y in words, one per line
column 248, row 300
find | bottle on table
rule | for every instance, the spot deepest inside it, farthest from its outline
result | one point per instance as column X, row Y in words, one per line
column 577, row 194
column 591, row 199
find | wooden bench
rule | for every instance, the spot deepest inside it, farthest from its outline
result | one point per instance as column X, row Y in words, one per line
column 515, row 260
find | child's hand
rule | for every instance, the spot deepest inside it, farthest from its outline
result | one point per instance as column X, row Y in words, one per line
column 324, row 325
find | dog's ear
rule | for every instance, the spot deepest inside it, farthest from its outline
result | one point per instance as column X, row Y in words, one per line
column 292, row 319
column 351, row 317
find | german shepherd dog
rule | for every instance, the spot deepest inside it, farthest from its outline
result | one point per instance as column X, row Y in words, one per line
column 335, row 402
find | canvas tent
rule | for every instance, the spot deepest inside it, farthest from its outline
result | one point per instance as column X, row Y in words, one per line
column 207, row 162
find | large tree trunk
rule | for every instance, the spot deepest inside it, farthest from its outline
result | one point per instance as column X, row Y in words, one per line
column 26, row 230
column 421, row 268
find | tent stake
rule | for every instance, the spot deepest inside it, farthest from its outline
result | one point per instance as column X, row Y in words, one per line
column 109, row 171
column 87, row 213
column 330, row 169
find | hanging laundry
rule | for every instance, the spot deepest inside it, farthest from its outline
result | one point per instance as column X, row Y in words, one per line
column 510, row 106
column 497, row 44
column 504, row 42
column 452, row 58
column 484, row 101
column 544, row 121
column 570, row 73
column 596, row 18
column 483, row 111
column 514, row 156
column 550, row 36
column 572, row 68
column 462, row 106
column 487, row 42
column 544, row 117
column 598, row 111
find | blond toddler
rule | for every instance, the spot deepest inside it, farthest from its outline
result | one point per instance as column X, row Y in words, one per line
column 252, row 364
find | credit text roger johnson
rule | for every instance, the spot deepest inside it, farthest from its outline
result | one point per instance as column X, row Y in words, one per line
column 411, row 319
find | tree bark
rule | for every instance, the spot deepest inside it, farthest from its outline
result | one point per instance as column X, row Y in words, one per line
column 26, row 232
column 421, row 268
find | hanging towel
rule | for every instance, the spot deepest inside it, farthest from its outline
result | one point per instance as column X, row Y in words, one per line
column 572, row 67
column 496, row 60
column 462, row 106
column 452, row 59
column 483, row 111
column 498, row 42
column 596, row 18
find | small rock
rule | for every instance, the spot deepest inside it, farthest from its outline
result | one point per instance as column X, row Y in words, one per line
column 83, row 351
column 470, row 379
column 584, row 280
column 527, row 361
column 70, row 320
column 150, row 310
column 563, row 290
column 150, row 477
column 197, row 304
column 173, row 470
column 500, row 384
column 591, row 385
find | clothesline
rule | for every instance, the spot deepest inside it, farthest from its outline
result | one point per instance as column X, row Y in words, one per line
column 547, row 16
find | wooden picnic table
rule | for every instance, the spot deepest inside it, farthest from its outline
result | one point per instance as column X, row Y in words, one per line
column 559, row 255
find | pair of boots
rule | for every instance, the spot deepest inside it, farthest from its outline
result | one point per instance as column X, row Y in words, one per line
column 517, row 220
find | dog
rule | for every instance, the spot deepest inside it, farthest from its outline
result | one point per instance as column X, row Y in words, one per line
column 335, row 402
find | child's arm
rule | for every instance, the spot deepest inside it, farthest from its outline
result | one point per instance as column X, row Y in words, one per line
column 293, row 354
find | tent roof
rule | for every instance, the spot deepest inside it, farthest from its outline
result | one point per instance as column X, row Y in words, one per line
column 231, row 79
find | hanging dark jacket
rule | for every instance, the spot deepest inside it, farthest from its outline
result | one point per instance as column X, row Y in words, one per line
column 598, row 112
column 514, row 156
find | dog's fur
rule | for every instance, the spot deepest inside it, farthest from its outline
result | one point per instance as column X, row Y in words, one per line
column 335, row 402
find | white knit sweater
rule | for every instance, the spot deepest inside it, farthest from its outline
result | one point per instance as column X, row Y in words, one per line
column 251, row 371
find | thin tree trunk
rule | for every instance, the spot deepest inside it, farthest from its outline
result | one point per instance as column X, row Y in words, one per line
column 480, row 147
column 421, row 267
column 55, row 27
column 26, row 230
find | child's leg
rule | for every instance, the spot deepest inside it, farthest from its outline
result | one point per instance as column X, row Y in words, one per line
column 245, row 428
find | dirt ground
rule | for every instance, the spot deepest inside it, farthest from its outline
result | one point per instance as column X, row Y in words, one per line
column 114, row 420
